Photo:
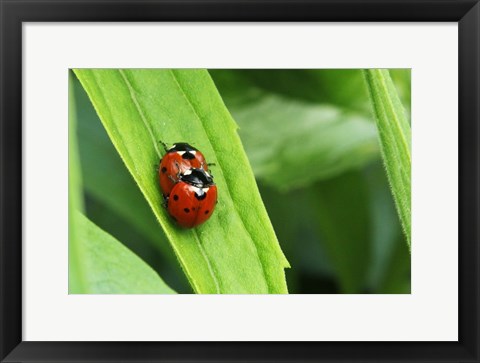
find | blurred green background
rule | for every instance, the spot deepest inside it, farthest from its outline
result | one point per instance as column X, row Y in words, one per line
column 312, row 142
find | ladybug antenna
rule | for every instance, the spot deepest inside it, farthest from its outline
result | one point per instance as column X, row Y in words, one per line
column 164, row 145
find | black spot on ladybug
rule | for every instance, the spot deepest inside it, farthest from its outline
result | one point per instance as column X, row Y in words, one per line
column 188, row 156
column 175, row 197
column 200, row 196
column 186, row 210
column 206, row 212
column 164, row 170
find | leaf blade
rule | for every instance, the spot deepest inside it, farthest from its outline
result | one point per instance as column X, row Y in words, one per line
column 143, row 106
column 395, row 140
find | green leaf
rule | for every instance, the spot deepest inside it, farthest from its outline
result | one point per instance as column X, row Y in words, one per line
column 110, row 267
column 395, row 139
column 100, row 161
column 292, row 143
column 236, row 251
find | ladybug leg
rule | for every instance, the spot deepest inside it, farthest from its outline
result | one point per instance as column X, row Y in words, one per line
column 165, row 202
column 157, row 166
column 208, row 164
column 208, row 172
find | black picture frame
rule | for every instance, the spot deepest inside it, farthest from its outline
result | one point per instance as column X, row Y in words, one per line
column 15, row 12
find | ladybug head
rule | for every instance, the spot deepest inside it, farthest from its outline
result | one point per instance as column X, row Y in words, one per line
column 181, row 146
column 187, row 151
column 198, row 178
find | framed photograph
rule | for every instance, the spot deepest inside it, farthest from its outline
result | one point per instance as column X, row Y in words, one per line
column 239, row 181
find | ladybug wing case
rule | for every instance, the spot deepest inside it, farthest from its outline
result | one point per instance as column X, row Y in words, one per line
column 191, row 206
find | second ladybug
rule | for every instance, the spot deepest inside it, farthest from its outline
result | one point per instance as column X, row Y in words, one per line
column 193, row 198
column 177, row 160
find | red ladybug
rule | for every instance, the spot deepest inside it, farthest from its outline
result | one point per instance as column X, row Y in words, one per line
column 178, row 159
column 193, row 198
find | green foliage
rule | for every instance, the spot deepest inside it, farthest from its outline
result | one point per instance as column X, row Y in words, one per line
column 110, row 268
column 395, row 139
column 313, row 146
column 236, row 251
column 292, row 142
